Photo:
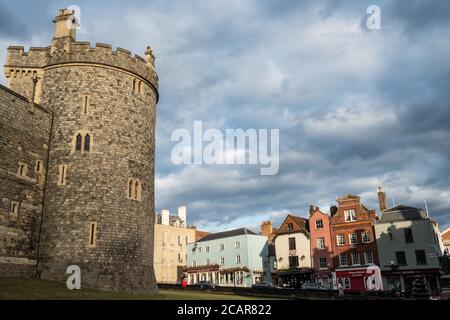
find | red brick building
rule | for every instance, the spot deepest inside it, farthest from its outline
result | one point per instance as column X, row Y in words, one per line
column 355, row 256
column 321, row 246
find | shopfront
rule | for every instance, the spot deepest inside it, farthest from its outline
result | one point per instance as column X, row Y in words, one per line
column 359, row 279
column 402, row 280
column 292, row 278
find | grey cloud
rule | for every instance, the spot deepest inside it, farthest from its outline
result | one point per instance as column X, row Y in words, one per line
column 291, row 65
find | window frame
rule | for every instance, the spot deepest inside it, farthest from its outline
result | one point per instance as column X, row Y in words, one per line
column 321, row 243
column 358, row 256
column 366, row 254
column 62, row 175
column 408, row 235
column 14, row 207
column 363, row 239
column 22, row 171
column 92, row 237
column 401, row 254
column 319, row 224
column 341, row 255
column 295, row 263
column 350, row 236
column 38, row 167
column 322, row 259
column 292, row 243
column 351, row 213
column 425, row 261
column 340, row 236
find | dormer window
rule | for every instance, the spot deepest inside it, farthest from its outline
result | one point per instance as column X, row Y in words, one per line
column 290, row 227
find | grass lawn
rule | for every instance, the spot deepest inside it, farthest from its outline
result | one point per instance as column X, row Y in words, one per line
column 38, row 289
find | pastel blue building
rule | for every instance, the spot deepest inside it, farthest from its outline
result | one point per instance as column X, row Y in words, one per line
column 231, row 258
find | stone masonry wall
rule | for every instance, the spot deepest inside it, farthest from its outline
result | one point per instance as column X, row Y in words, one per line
column 24, row 138
column 89, row 217
column 121, row 123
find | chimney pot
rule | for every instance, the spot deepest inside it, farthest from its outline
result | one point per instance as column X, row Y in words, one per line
column 165, row 217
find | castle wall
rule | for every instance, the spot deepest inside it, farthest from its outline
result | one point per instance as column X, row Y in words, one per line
column 98, row 200
column 24, row 138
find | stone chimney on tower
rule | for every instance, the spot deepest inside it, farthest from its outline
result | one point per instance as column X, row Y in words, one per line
column 165, row 217
column 382, row 198
column 65, row 31
column 182, row 215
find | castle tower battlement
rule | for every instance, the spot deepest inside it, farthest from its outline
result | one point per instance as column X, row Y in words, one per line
column 99, row 193
column 22, row 65
column 81, row 52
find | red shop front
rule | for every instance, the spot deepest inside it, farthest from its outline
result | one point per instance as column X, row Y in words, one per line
column 359, row 279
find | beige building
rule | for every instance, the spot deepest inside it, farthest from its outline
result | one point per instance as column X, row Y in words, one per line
column 171, row 237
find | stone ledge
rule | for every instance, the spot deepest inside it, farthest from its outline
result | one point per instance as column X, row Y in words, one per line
column 21, row 261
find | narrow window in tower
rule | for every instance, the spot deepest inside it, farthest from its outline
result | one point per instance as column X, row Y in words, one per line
column 134, row 84
column 85, row 104
column 137, row 190
column 14, row 207
column 23, row 169
column 62, row 175
column 140, row 87
column 87, row 142
column 78, row 142
column 130, row 188
column 38, row 166
column 92, row 234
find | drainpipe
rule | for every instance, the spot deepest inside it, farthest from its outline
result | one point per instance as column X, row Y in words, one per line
column 44, row 191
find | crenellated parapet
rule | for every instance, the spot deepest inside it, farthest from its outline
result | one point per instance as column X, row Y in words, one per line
column 19, row 61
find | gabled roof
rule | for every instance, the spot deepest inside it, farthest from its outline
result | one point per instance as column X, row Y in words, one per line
column 302, row 224
column 227, row 234
column 446, row 234
column 348, row 196
column 200, row 234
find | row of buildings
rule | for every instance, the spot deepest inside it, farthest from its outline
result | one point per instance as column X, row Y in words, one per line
column 349, row 247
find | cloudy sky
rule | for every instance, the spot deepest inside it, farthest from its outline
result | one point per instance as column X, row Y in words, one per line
column 356, row 108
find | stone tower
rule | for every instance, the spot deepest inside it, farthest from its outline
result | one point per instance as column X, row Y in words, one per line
column 99, row 195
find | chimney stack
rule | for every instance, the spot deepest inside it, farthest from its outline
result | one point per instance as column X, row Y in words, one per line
column 182, row 214
column 165, row 217
column 65, row 31
column 266, row 228
column 382, row 198
column 333, row 210
column 65, row 24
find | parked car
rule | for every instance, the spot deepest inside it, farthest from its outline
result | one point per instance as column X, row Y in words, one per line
column 265, row 285
column 313, row 286
column 205, row 285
